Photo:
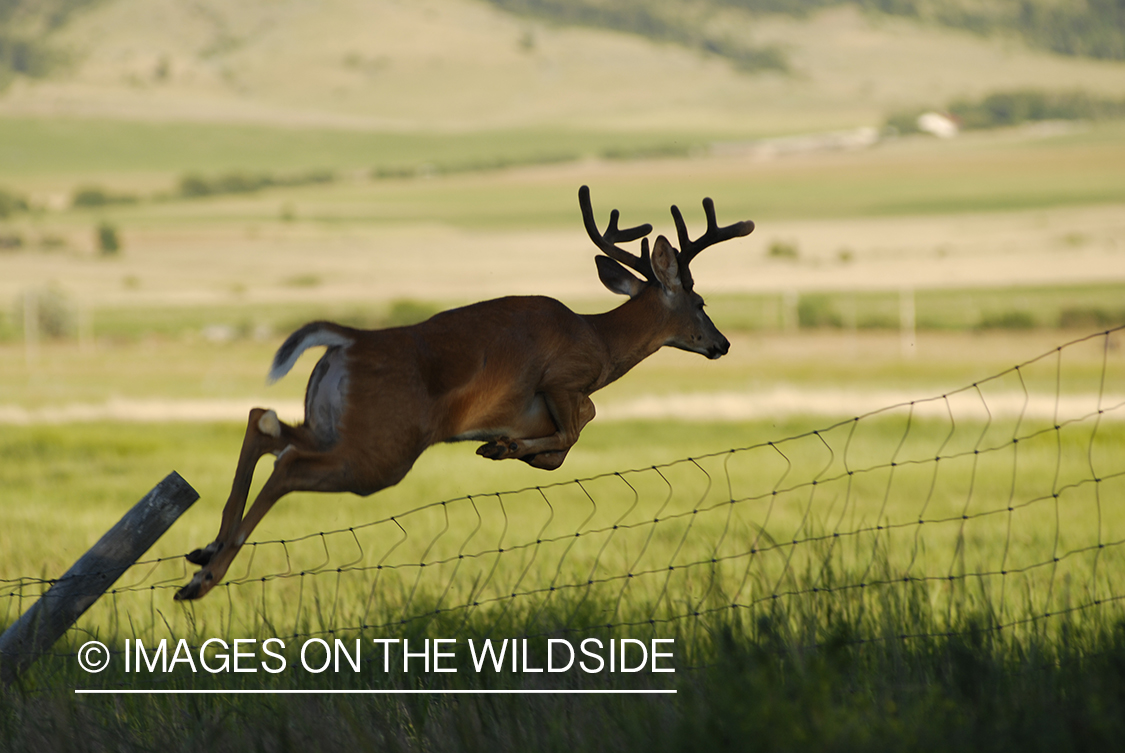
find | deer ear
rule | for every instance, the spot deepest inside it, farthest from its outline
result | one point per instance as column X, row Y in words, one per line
column 666, row 265
column 614, row 277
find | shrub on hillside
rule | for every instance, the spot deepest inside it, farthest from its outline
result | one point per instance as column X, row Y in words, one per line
column 11, row 241
column 28, row 57
column 1012, row 108
column 10, row 203
column 96, row 196
column 51, row 308
column 1007, row 320
column 902, row 122
column 785, row 250
column 817, row 311
column 193, row 185
column 1008, row 108
column 108, row 241
column 663, row 22
column 1089, row 317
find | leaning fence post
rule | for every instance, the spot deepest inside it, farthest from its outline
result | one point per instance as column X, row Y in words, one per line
column 36, row 631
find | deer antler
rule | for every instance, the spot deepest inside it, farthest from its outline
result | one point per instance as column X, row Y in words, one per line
column 607, row 241
column 714, row 234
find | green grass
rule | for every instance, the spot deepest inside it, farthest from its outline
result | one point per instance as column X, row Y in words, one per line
column 870, row 482
column 880, row 599
column 36, row 147
column 983, row 173
column 760, row 681
column 160, row 366
column 809, row 657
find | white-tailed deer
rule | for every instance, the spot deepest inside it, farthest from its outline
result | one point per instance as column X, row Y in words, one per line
column 514, row 373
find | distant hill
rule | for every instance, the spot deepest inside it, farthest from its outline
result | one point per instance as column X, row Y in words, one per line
column 737, row 68
column 1089, row 28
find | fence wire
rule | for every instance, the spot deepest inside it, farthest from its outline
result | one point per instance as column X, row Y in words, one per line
column 1003, row 498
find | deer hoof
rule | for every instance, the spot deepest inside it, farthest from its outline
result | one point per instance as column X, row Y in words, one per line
column 493, row 450
column 188, row 592
column 198, row 588
column 498, row 449
column 202, row 556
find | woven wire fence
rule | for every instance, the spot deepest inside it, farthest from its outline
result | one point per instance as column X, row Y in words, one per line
column 1003, row 498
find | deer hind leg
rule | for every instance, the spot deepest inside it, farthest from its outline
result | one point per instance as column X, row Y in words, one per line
column 295, row 470
column 570, row 411
column 264, row 434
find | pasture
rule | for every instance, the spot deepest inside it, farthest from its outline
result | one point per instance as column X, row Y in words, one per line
column 835, row 571
column 849, row 571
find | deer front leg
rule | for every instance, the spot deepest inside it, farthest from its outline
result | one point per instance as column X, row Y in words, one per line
column 570, row 411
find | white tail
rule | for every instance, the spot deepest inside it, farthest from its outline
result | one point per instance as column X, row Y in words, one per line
column 513, row 373
column 308, row 336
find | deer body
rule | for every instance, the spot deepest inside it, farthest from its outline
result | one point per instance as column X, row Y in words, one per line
column 450, row 379
column 515, row 373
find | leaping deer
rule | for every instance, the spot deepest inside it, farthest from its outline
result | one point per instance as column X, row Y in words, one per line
column 515, row 373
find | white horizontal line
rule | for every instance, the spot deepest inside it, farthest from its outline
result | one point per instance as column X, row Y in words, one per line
column 331, row 691
column 784, row 401
column 746, row 405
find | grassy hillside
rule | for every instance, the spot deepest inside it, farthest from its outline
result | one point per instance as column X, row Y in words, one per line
column 465, row 64
column 1092, row 28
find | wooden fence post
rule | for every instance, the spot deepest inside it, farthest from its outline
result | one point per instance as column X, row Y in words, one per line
column 36, row 631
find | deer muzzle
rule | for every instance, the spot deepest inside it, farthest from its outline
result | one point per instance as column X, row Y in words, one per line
column 719, row 350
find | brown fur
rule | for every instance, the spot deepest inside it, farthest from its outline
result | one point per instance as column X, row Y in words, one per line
column 515, row 373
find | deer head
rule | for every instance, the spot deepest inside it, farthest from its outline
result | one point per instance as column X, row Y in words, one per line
column 665, row 273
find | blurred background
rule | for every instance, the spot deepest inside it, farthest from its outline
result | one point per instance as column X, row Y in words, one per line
column 937, row 188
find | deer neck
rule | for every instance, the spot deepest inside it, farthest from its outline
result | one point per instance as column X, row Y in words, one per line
column 631, row 332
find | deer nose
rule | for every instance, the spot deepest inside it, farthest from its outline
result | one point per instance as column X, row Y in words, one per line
column 719, row 350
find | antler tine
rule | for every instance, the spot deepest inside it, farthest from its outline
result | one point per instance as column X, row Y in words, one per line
column 607, row 241
column 689, row 249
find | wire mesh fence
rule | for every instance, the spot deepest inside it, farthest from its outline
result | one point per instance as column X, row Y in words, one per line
column 1002, row 499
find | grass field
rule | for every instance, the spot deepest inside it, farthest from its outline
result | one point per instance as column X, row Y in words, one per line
column 784, row 608
column 983, row 172
column 1043, row 215
column 999, row 561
